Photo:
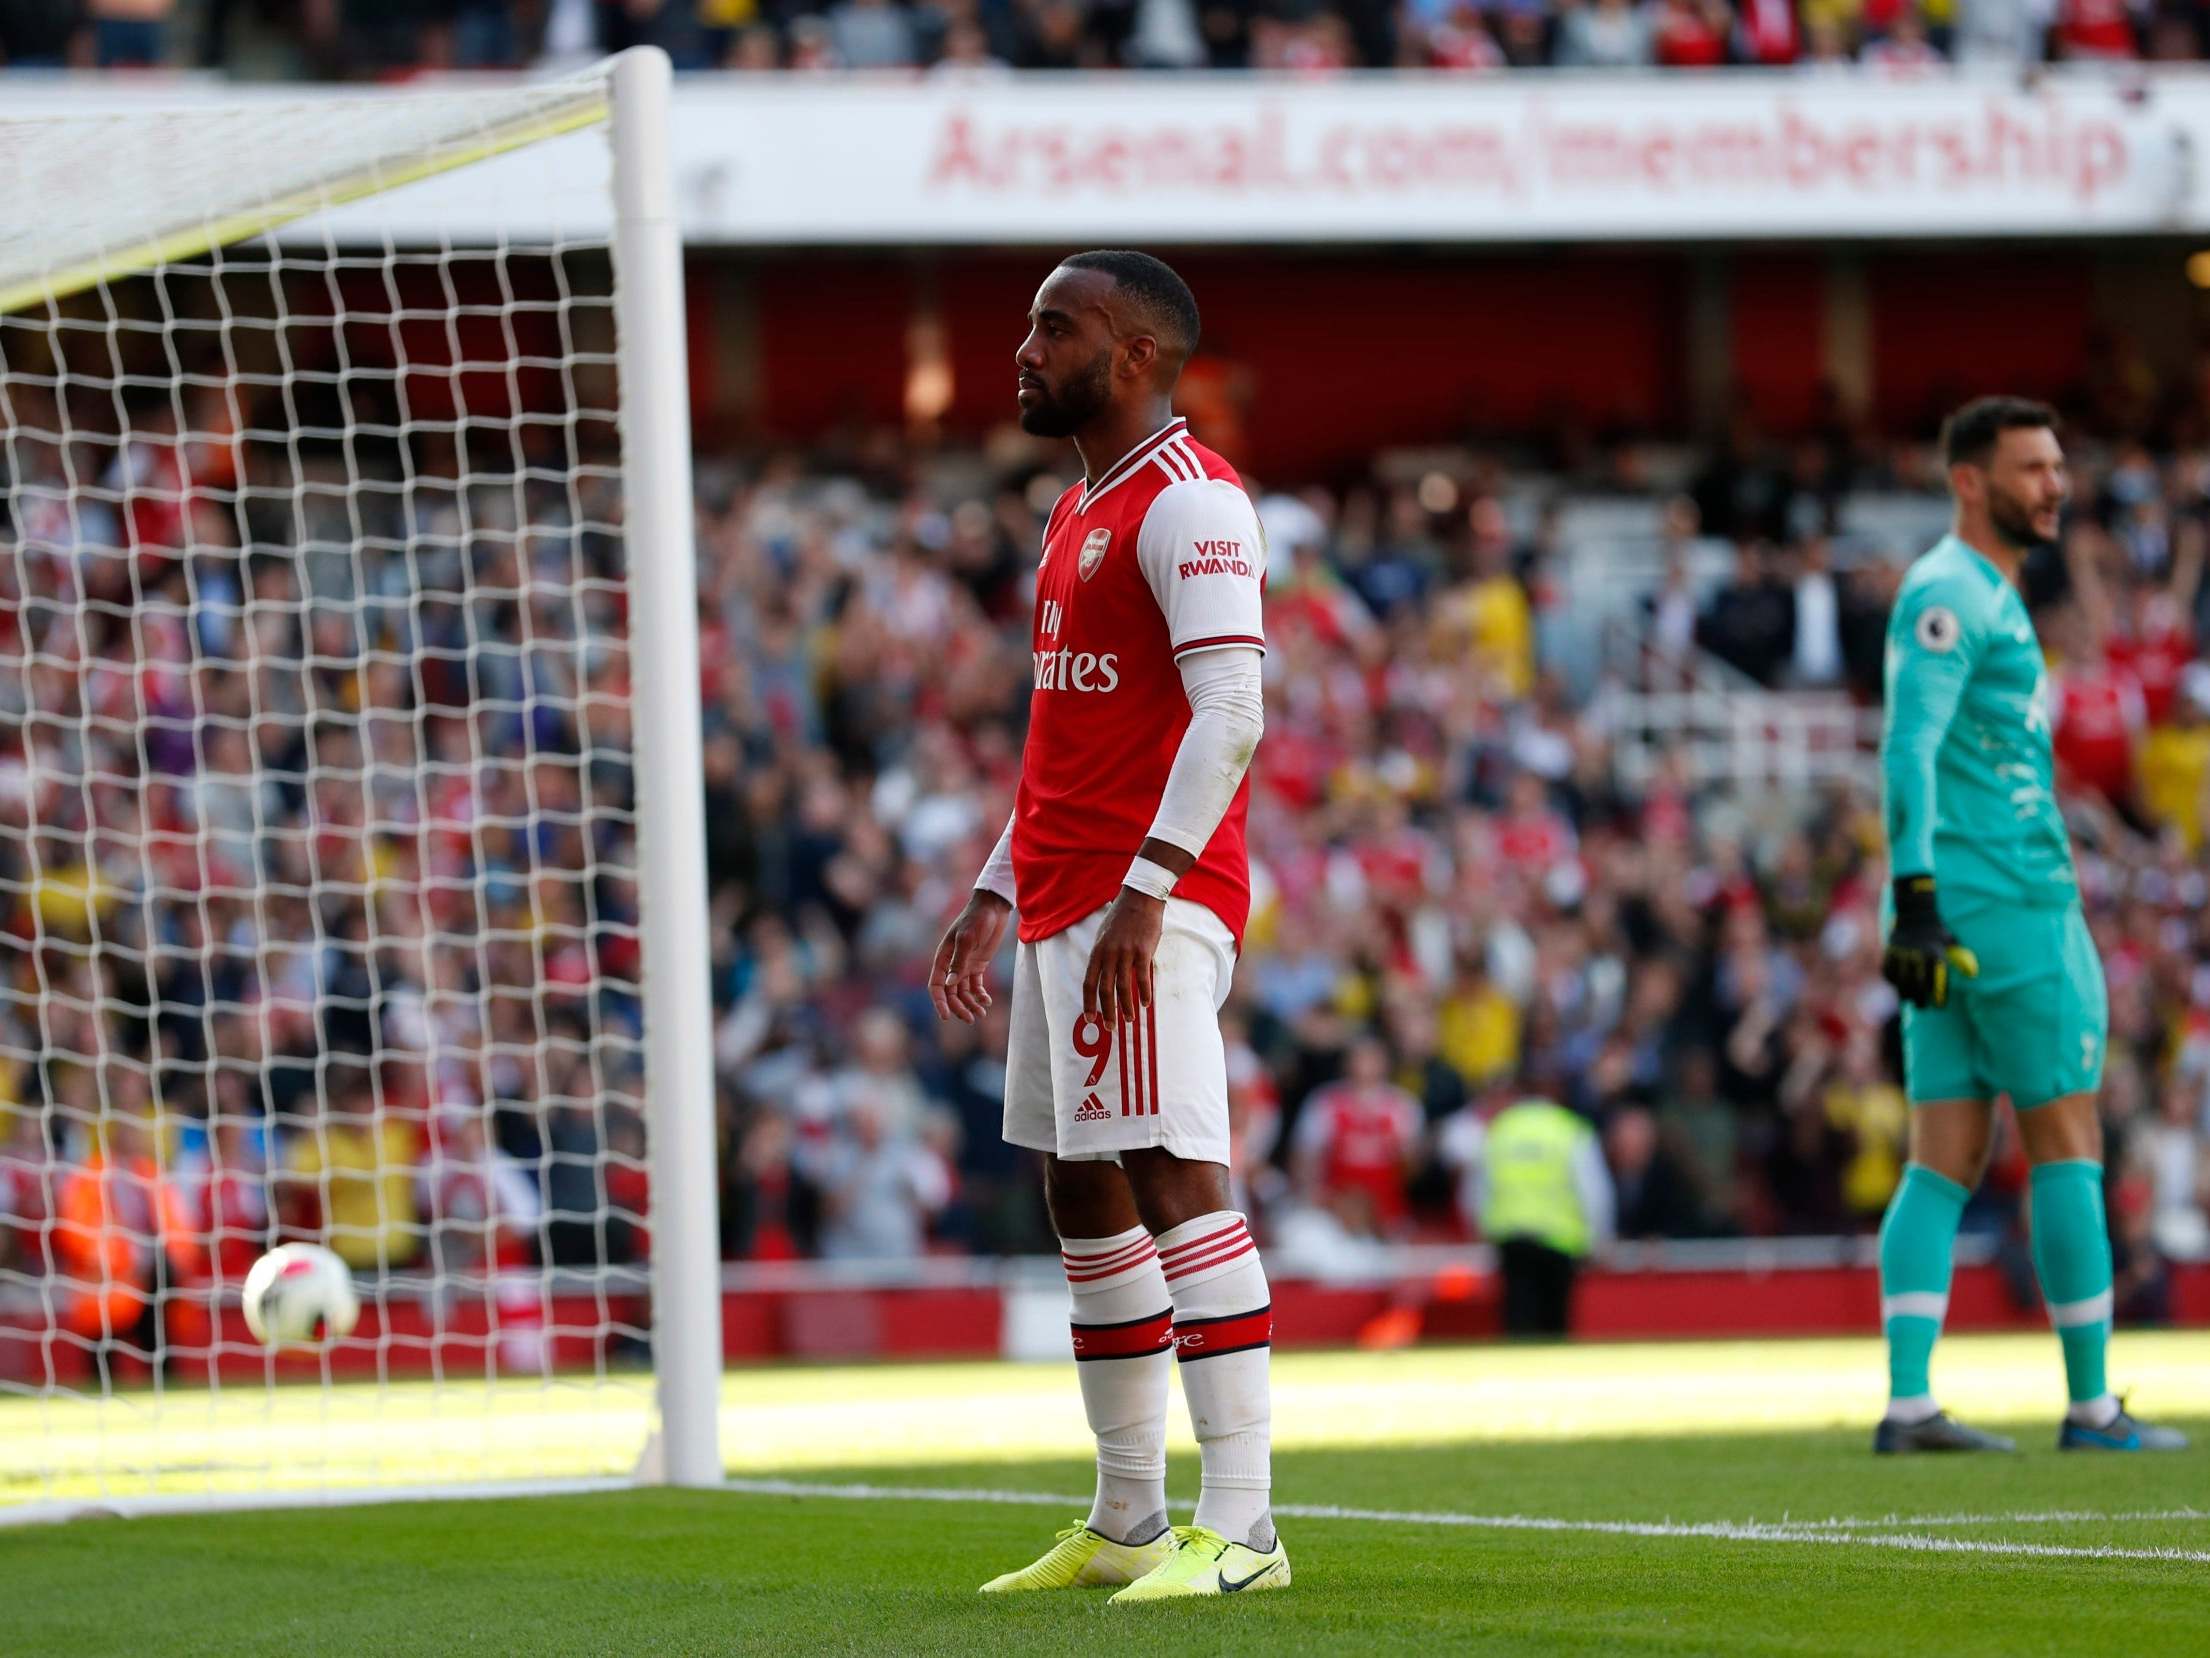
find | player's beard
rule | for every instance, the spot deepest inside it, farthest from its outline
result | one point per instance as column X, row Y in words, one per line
column 1080, row 399
column 2012, row 520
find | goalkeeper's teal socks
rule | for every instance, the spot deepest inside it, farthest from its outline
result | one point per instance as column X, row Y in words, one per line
column 1917, row 1240
column 2071, row 1248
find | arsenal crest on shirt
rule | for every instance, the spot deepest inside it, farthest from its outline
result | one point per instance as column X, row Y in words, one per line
column 1093, row 553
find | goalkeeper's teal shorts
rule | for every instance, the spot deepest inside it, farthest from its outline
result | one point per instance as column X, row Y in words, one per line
column 2032, row 1025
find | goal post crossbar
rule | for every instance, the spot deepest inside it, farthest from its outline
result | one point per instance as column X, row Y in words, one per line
column 42, row 263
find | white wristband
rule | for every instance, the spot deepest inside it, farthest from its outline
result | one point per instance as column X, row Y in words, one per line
column 1154, row 880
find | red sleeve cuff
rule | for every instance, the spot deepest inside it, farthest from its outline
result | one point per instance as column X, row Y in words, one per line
column 1219, row 641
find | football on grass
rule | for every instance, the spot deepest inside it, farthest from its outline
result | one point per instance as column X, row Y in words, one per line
column 298, row 1294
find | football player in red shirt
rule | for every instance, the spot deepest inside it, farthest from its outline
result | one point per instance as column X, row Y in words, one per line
column 1361, row 1133
column 1125, row 860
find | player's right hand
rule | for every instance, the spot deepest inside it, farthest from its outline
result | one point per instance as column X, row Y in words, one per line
column 1921, row 952
column 959, row 977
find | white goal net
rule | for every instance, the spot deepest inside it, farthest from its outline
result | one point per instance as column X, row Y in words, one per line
column 344, row 569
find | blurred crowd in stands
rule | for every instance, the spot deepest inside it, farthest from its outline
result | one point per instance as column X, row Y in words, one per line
column 324, row 849
column 364, row 39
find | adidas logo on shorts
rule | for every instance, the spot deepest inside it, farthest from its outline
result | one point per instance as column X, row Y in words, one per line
column 1091, row 1110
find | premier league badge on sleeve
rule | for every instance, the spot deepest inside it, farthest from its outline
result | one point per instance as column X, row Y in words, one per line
column 1093, row 553
column 1938, row 630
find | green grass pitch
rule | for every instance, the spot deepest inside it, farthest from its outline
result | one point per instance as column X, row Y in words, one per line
column 1661, row 1499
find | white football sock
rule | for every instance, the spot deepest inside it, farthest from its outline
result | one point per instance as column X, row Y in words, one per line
column 2094, row 1413
column 1122, row 1334
column 1909, row 1412
column 1223, row 1333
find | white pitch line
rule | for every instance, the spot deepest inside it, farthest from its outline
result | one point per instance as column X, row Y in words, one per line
column 892, row 1493
column 1726, row 1531
column 2024, row 1517
column 59, row 1510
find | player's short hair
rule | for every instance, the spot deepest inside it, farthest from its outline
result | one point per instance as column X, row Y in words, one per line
column 1161, row 298
column 1969, row 436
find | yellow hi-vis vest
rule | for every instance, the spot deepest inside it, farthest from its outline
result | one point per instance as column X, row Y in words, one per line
column 1531, row 1190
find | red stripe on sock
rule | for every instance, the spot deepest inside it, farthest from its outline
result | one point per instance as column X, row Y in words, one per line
column 1124, row 1341
column 1197, row 1338
column 1226, row 1252
column 1109, row 1246
column 1106, row 1263
column 1081, row 1268
column 1174, row 1252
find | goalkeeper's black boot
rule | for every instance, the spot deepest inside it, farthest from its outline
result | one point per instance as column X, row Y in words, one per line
column 1938, row 1432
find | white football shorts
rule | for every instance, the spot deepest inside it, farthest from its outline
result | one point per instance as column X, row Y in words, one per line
column 1088, row 1093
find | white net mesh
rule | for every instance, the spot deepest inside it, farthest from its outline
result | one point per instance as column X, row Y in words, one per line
column 317, row 840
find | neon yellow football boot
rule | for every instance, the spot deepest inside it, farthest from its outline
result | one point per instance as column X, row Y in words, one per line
column 1082, row 1559
column 1206, row 1563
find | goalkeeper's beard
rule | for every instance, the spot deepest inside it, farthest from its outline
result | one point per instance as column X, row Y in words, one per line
column 2013, row 522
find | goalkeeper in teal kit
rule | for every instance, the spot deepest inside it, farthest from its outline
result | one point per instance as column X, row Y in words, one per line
column 1987, row 947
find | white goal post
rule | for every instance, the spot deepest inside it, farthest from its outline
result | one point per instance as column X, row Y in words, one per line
column 352, row 859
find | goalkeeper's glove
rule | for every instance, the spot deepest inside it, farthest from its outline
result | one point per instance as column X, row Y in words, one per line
column 1921, row 952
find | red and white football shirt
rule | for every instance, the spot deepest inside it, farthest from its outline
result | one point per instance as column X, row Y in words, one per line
column 2155, row 657
column 1159, row 559
column 1361, row 1139
column 2098, row 713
